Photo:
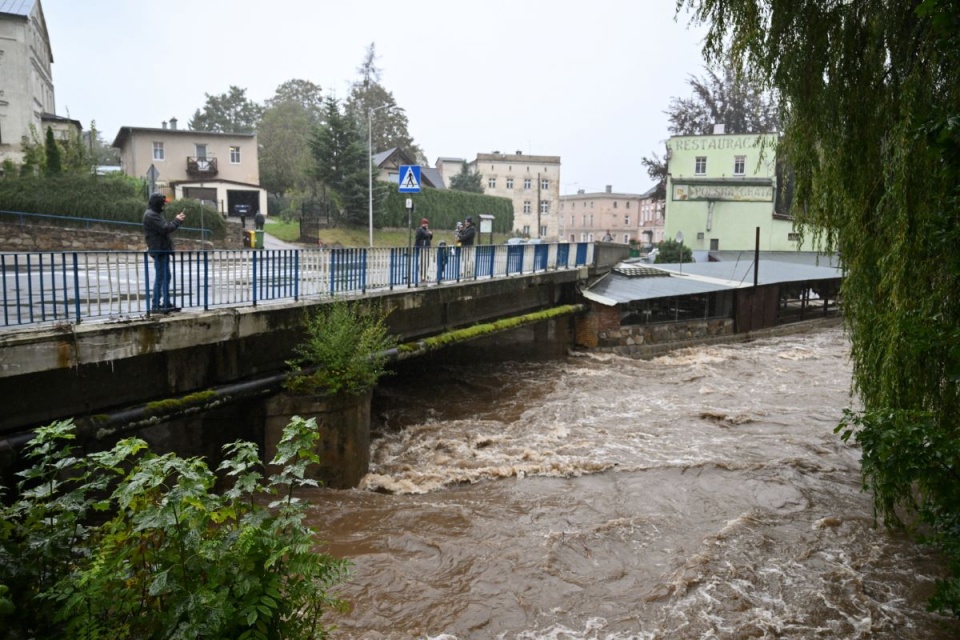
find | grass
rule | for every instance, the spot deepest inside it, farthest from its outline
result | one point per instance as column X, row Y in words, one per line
column 360, row 237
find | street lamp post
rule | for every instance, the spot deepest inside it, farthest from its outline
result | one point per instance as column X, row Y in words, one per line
column 370, row 159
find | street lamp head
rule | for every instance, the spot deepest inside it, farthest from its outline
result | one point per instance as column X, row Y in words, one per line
column 385, row 106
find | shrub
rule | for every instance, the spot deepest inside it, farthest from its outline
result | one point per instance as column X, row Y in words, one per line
column 115, row 198
column 344, row 352
column 130, row 544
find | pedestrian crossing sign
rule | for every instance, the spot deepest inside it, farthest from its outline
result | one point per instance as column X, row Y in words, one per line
column 409, row 178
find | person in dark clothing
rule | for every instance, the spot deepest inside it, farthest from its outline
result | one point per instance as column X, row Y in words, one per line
column 424, row 235
column 157, row 230
column 258, row 220
column 467, row 234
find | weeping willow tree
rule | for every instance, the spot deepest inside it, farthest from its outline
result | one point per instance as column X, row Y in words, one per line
column 870, row 110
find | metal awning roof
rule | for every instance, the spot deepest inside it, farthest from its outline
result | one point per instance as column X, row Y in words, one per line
column 630, row 282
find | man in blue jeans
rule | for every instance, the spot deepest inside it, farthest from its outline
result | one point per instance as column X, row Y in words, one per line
column 157, row 230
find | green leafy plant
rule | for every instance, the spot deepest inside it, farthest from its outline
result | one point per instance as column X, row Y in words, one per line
column 126, row 543
column 345, row 351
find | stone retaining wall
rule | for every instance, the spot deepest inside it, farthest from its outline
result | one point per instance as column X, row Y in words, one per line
column 662, row 338
column 33, row 237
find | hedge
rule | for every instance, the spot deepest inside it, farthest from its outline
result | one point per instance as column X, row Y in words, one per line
column 444, row 208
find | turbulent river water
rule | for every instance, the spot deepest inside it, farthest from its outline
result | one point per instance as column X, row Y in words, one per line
column 702, row 494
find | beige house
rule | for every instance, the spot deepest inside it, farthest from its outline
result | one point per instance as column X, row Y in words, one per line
column 626, row 217
column 448, row 168
column 221, row 168
column 531, row 182
column 26, row 78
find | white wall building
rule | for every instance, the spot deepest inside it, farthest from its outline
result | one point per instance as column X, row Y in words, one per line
column 26, row 77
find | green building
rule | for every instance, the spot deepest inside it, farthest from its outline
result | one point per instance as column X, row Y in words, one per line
column 720, row 188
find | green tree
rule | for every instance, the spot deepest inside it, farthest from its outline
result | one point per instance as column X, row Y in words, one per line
column 100, row 152
column 726, row 95
column 341, row 164
column 370, row 104
column 671, row 252
column 871, row 114
column 467, row 180
column 284, row 135
column 302, row 92
column 54, row 166
column 230, row 112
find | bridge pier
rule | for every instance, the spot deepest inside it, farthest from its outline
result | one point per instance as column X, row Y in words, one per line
column 344, row 426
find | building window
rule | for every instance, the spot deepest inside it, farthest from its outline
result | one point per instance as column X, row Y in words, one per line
column 526, row 183
column 614, row 204
column 544, row 184
column 626, row 238
column 591, row 204
column 628, row 204
column 583, row 221
column 701, row 166
column 509, row 183
column 572, row 221
column 793, row 237
column 739, row 165
column 526, row 206
column 591, row 224
column 544, row 206
column 714, row 244
column 491, row 183
column 158, row 151
column 626, row 220
column 526, row 230
column 234, row 155
column 543, row 231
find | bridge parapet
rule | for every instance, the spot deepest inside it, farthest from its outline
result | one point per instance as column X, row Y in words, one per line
column 55, row 372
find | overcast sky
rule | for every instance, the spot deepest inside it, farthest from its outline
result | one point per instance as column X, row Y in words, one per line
column 587, row 81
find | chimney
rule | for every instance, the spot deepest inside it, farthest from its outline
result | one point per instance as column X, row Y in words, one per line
column 581, row 191
column 164, row 124
column 173, row 123
column 718, row 129
column 609, row 188
column 519, row 152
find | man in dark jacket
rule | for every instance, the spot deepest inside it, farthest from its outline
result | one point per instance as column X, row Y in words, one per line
column 157, row 230
column 468, row 233
column 424, row 235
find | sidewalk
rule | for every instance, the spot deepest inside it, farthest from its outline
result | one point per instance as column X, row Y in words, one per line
column 269, row 242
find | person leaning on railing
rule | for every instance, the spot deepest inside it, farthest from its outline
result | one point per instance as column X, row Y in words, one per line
column 157, row 230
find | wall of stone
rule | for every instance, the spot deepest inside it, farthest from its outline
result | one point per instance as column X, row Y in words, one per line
column 43, row 237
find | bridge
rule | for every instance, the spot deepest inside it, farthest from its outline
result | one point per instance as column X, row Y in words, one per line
column 77, row 337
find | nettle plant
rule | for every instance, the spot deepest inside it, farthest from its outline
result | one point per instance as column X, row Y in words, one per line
column 345, row 351
column 126, row 543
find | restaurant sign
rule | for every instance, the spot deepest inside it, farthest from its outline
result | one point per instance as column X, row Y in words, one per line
column 732, row 193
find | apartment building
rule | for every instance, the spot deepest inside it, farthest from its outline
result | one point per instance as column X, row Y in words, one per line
column 531, row 182
column 721, row 188
column 220, row 168
column 625, row 217
column 26, row 84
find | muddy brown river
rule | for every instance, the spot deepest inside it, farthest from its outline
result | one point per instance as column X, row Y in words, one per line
column 702, row 494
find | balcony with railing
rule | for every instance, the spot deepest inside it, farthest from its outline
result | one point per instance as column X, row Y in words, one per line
column 198, row 167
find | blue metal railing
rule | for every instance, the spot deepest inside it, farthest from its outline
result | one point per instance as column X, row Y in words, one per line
column 76, row 286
